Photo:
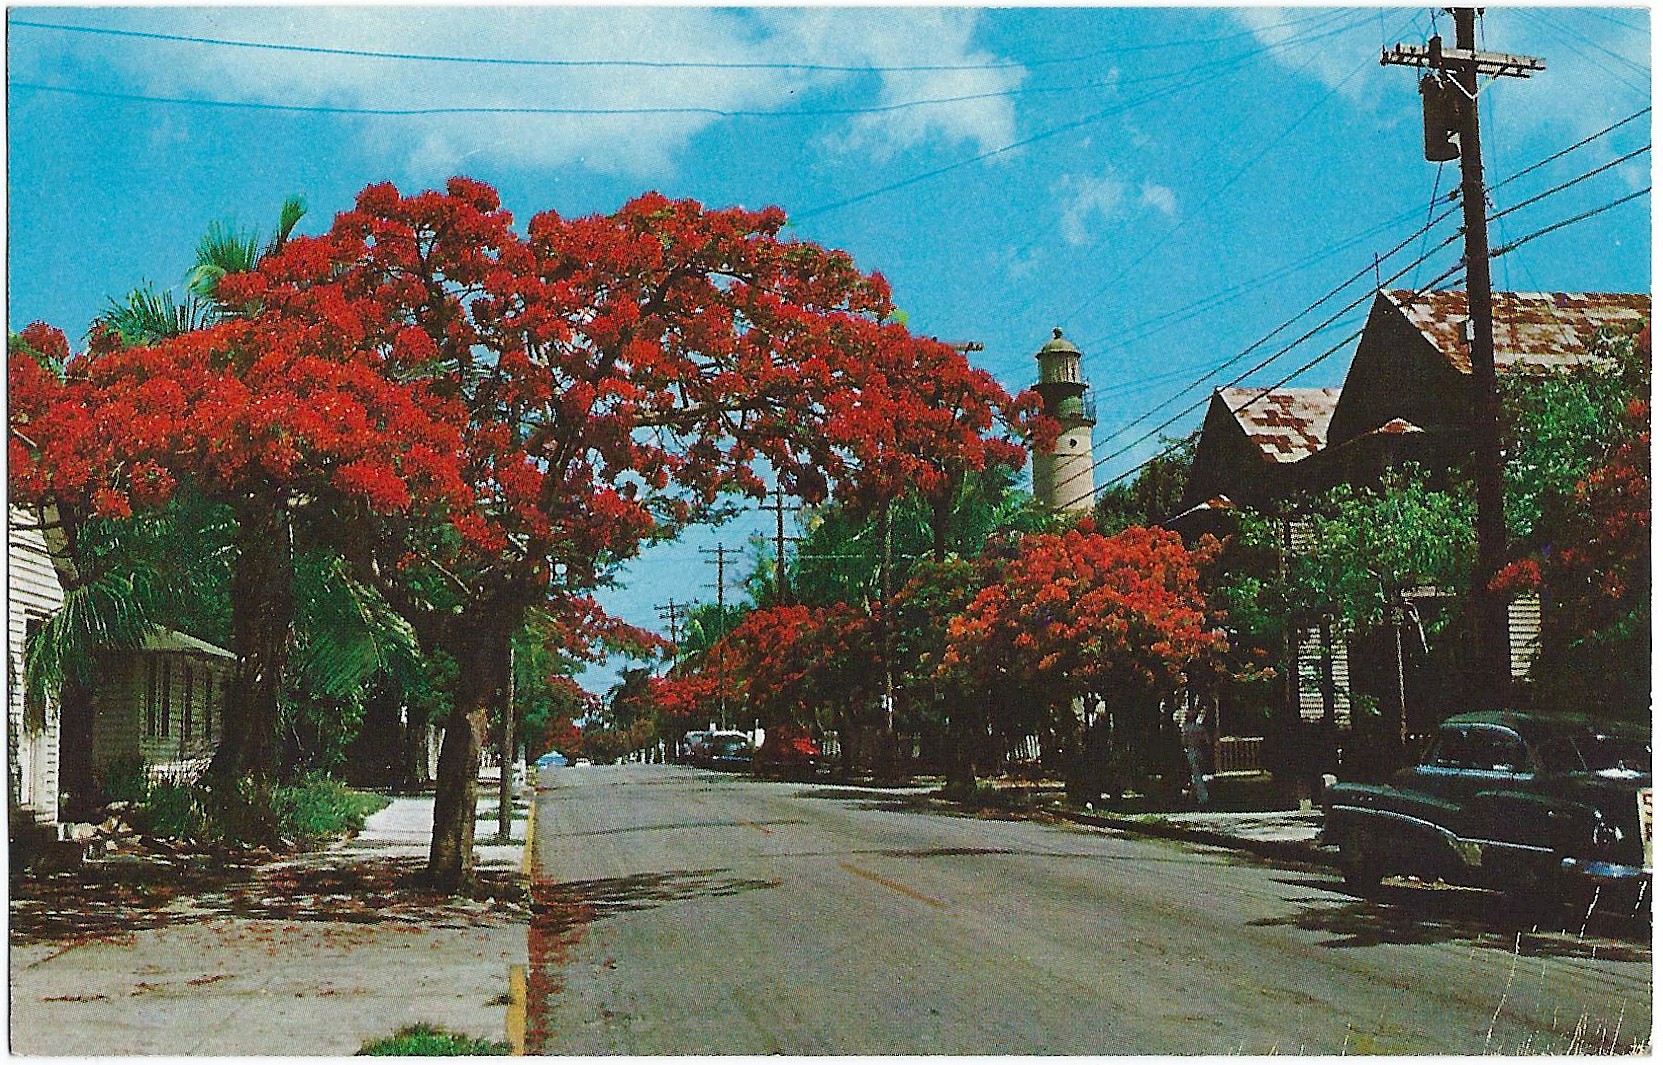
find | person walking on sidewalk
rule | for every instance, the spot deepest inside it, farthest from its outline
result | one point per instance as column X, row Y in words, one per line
column 1194, row 730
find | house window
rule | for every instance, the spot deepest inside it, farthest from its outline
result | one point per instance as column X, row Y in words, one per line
column 166, row 686
column 185, row 706
column 208, row 705
column 152, row 699
column 34, row 698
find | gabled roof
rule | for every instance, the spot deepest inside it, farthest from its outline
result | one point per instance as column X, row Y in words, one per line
column 170, row 640
column 1285, row 424
column 1533, row 330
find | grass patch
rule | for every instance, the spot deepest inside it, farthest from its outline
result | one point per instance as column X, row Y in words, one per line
column 318, row 807
column 313, row 809
column 424, row 1040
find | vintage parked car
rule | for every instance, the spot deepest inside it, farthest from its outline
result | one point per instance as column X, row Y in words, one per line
column 1542, row 806
column 787, row 751
column 728, row 750
column 550, row 760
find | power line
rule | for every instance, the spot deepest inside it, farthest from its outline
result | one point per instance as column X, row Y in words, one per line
column 649, row 64
column 1562, row 223
column 416, row 112
column 1422, row 257
column 1192, row 408
column 1138, row 330
column 1494, row 254
column 1270, row 146
column 1048, row 133
column 1573, row 181
column 1561, row 153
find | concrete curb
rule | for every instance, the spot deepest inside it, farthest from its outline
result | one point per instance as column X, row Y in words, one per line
column 515, row 1021
column 1287, row 850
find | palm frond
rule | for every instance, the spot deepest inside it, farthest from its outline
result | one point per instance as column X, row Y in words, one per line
column 222, row 250
column 147, row 316
column 293, row 210
column 346, row 633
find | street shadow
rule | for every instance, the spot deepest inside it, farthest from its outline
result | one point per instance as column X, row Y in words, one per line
column 1400, row 913
column 675, row 827
column 112, row 900
column 557, row 908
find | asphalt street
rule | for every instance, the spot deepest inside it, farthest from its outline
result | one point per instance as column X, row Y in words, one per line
column 679, row 911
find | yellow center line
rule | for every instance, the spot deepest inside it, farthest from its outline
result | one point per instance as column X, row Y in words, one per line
column 892, row 885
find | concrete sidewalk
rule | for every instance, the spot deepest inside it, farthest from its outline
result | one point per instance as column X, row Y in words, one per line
column 1286, row 835
column 311, row 955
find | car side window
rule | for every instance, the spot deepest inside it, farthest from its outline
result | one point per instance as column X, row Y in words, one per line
column 1450, row 751
column 1495, row 749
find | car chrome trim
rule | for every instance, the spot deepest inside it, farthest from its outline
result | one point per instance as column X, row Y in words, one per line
column 1604, row 870
column 1450, row 837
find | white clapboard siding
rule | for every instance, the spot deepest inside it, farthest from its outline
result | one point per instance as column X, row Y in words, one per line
column 1524, row 631
column 1311, row 654
column 32, row 592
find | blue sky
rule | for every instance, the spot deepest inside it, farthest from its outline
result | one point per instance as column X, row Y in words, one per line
column 1167, row 185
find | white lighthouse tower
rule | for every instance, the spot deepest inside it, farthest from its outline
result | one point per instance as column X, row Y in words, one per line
column 1063, row 477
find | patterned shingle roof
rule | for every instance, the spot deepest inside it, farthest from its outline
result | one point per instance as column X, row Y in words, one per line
column 1533, row 330
column 1287, row 424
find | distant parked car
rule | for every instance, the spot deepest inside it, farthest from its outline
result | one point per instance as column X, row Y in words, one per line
column 729, row 750
column 553, row 758
column 1545, row 807
column 688, row 748
column 787, row 751
column 583, row 762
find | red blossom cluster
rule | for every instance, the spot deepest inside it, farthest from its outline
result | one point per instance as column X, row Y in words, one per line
column 237, row 407
column 1078, row 612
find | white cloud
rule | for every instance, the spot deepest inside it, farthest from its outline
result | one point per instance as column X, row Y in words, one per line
column 892, row 38
column 1090, row 200
column 634, row 145
column 1160, row 197
column 1086, row 196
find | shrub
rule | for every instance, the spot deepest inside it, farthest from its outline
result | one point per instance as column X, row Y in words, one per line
column 428, row 1041
column 320, row 807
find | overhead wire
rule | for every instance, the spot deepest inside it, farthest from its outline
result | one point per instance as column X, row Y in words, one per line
column 1053, row 131
column 1494, row 254
column 1421, row 258
column 411, row 112
column 649, row 64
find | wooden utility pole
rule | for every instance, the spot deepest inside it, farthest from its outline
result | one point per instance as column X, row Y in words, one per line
column 782, row 589
column 505, row 779
column 721, row 553
column 671, row 612
column 1459, row 68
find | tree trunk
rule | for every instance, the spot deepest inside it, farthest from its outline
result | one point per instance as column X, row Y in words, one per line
column 481, row 654
column 262, row 620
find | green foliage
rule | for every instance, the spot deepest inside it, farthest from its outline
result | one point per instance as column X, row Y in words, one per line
column 319, row 807
column 124, row 780
column 147, row 316
column 1359, row 547
column 1153, row 495
column 313, row 810
column 166, row 569
column 1559, row 426
column 425, row 1040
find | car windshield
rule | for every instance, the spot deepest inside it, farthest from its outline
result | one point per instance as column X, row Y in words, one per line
column 1597, row 753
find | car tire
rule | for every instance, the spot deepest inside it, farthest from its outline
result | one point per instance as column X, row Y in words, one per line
column 1360, row 868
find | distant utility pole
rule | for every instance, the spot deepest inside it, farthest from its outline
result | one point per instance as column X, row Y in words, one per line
column 721, row 553
column 779, row 508
column 1450, row 98
column 671, row 612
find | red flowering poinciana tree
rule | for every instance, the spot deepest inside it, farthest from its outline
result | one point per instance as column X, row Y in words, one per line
column 618, row 375
column 270, row 415
column 798, row 664
column 1082, row 616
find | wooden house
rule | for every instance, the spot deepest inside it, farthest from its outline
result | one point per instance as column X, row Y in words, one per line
column 1408, row 396
column 161, row 705
column 33, row 592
